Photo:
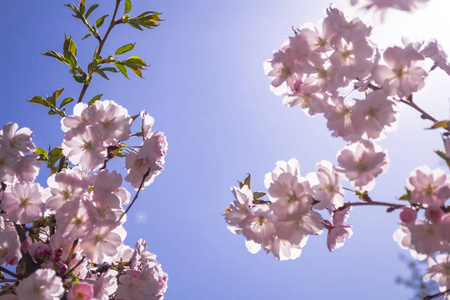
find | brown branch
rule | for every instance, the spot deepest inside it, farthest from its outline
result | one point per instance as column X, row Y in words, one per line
column 376, row 203
column 100, row 47
column 436, row 295
column 12, row 274
column 111, row 25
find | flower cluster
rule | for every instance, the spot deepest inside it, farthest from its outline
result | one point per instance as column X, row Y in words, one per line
column 67, row 239
column 317, row 70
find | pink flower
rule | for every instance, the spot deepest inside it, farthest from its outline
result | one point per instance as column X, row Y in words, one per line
column 431, row 188
column 259, row 227
column 327, row 188
column 81, row 291
column 23, row 202
column 85, row 149
column 283, row 70
column 403, row 74
column 439, row 271
column 339, row 232
column 240, row 208
column 41, row 285
column 375, row 115
column 148, row 160
column 14, row 140
column 9, row 248
column 147, row 124
column 361, row 162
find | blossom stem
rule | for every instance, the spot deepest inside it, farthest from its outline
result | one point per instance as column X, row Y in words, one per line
column 12, row 274
column 137, row 193
column 436, row 295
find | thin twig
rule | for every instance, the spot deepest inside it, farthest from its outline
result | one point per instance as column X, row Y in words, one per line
column 425, row 115
column 76, row 266
column 137, row 193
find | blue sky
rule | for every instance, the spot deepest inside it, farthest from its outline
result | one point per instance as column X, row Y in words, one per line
column 208, row 93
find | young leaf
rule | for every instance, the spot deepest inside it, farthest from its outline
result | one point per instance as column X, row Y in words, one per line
column 69, row 47
column 79, row 79
column 127, row 7
column 100, row 21
column 247, row 180
column 90, row 10
column 122, row 69
column 42, row 153
column 57, row 93
column 86, row 36
column 406, row 196
column 135, row 60
column 124, row 49
column 95, row 98
column 441, row 124
column 101, row 73
column 444, row 157
column 65, row 102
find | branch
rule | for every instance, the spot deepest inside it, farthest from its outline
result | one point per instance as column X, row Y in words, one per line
column 376, row 203
column 436, row 295
column 12, row 274
column 111, row 25
column 100, row 47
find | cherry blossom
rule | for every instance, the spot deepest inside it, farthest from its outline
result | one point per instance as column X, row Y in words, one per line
column 361, row 162
column 41, row 285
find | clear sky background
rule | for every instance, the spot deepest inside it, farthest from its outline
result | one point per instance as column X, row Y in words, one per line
column 208, row 93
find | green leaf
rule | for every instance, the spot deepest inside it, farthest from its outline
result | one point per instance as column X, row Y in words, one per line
column 101, row 73
column 127, row 7
column 82, row 7
column 42, row 153
column 57, row 93
column 86, row 36
column 124, row 49
column 100, row 21
column 441, row 124
column 247, row 180
column 69, row 47
column 39, row 100
column 109, row 69
column 65, row 102
column 135, row 60
column 79, row 79
column 122, row 69
column 95, row 98
column 444, row 157
column 56, row 151
column 406, row 196
column 257, row 195
column 147, row 19
column 90, row 10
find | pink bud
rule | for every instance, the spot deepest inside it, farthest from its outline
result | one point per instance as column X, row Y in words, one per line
column 408, row 215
